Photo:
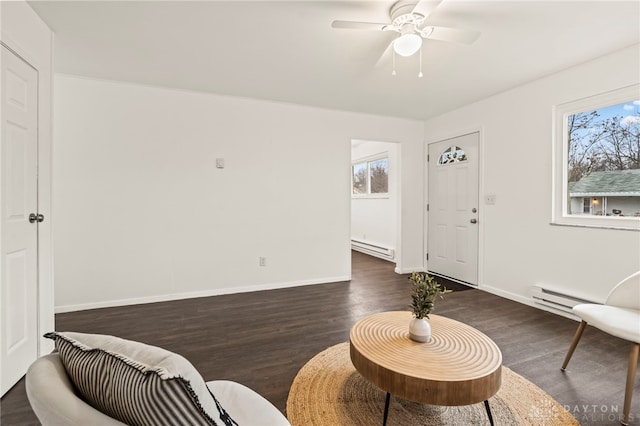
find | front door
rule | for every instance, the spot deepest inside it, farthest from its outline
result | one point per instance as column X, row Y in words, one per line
column 452, row 230
column 18, row 199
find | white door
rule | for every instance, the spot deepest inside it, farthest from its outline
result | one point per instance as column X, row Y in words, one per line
column 452, row 231
column 18, row 199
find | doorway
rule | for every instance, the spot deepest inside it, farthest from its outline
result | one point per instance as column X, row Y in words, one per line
column 375, row 198
column 452, row 208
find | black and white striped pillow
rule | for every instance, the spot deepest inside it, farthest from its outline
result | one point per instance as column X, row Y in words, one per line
column 137, row 384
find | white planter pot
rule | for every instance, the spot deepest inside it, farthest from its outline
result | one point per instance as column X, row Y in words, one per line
column 420, row 330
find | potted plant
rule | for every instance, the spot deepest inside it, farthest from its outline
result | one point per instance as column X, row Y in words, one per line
column 424, row 292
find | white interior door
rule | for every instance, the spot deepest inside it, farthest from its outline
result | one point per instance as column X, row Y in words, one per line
column 19, row 237
column 452, row 231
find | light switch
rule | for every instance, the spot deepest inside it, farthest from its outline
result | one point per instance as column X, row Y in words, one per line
column 220, row 163
column 490, row 199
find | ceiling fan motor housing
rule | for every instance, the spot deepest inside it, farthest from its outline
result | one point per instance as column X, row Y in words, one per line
column 401, row 13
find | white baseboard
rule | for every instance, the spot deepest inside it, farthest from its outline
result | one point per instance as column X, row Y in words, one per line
column 506, row 294
column 408, row 270
column 196, row 294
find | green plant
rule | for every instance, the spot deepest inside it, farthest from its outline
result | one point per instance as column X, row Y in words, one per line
column 424, row 292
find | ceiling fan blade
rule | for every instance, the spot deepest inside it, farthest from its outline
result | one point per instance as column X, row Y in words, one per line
column 351, row 25
column 450, row 34
column 425, row 7
column 385, row 55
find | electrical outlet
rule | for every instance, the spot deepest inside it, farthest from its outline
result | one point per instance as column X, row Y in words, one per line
column 263, row 261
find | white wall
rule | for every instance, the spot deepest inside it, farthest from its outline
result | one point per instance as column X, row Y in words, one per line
column 520, row 248
column 143, row 214
column 25, row 33
column 375, row 219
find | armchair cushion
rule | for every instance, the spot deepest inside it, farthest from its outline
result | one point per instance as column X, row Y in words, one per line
column 137, row 384
column 620, row 322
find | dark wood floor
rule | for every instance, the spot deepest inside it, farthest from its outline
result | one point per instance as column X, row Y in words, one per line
column 262, row 339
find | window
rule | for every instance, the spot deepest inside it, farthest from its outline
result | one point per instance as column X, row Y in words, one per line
column 597, row 161
column 379, row 175
column 451, row 155
column 370, row 177
column 359, row 173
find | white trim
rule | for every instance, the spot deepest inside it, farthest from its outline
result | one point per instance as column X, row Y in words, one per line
column 398, row 206
column 17, row 48
column 604, row 194
column 597, row 226
column 409, row 270
column 370, row 196
column 196, row 294
column 560, row 193
column 373, row 157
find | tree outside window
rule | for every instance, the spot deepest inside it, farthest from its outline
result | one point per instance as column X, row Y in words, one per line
column 359, row 177
column 607, row 139
column 603, row 161
column 379, row 176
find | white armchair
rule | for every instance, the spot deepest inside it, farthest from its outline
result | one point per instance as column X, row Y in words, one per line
column 104, row 380
column 620, row 317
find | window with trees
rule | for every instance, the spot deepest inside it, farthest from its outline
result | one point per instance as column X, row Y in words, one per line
column 598, row 160
column 370, row 177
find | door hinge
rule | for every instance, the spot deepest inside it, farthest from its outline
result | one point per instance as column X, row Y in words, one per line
column 428, row 158
column 427, row 207
column 427, row 256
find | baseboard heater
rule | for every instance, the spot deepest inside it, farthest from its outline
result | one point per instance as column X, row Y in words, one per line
column 373, row 249
column 555, row 299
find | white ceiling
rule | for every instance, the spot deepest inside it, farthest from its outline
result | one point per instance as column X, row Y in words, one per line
column 287, row 51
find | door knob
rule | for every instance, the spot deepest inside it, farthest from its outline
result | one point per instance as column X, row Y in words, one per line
column 36, row 218
column 473, row 221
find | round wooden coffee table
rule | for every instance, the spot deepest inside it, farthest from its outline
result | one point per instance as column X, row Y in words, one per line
column 459, row 366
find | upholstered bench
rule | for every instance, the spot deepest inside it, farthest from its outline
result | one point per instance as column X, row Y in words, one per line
column 104, row 380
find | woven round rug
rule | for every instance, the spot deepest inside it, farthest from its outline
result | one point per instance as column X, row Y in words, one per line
column 329, row 391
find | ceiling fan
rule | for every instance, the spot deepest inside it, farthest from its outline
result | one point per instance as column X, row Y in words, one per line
column 408, row 20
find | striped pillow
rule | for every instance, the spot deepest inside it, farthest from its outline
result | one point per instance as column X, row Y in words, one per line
column 137, row 384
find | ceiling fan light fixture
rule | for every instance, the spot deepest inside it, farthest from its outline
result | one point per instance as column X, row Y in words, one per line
column 407, row 44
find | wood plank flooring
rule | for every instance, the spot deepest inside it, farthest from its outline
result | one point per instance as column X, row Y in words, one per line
column 262, row 339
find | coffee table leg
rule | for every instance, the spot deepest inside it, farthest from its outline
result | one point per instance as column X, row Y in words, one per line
column 386, row 409
column 486, row 405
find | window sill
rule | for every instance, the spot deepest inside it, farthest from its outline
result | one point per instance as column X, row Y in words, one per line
column 628, row 225
column 369, row 196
